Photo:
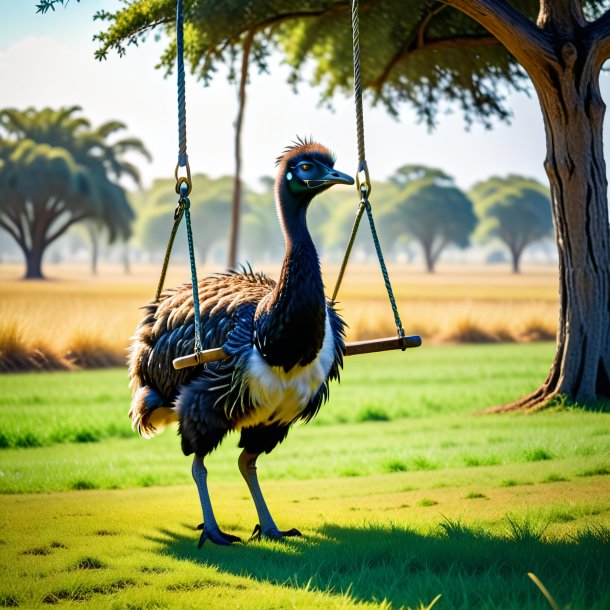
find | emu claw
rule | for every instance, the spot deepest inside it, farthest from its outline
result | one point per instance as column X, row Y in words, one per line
column 216, row 536
column 272, row 533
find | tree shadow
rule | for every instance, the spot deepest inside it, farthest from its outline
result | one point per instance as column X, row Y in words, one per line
column 371, row 563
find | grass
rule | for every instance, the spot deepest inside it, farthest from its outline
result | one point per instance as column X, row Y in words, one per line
column 66, row 431
column 395, row 512
column 403, row 491
column 87, row 322
column 137, row 548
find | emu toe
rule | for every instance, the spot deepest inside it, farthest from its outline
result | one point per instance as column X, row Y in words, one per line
column 273, row 533
column 216, row 536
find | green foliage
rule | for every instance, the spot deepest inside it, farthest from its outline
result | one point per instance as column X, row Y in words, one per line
column 55, row 171
column 515, row 210
column 44, row 5
column 425, row 56
column 210, row 200
column 431, row 209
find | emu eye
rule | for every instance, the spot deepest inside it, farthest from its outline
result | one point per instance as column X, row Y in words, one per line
column 305, row 166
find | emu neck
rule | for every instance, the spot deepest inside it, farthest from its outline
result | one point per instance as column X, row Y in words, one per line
column 291, row 323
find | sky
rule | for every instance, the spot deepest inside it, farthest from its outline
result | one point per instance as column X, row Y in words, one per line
column 47, row 60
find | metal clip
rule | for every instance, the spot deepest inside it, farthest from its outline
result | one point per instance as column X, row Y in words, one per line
column 363, row 180
column 180, row 180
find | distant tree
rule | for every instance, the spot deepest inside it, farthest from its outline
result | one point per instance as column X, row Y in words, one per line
column 432, row 210
column 55, row 171
column 261, row 238
column 515, row 210
column 210, row 214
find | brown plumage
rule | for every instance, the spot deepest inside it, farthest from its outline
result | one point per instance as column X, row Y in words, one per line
column 151, row 369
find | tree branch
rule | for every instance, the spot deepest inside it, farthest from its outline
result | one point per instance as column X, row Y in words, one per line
column 404, row 49
column 65, row 227
column 599, row 34
column 12, row 232
column 417, row 43
column 459, row 41
column 421, row 34
column 522, row 38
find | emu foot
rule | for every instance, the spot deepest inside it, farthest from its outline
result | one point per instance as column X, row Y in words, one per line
column 216, row 536
column 272, row 533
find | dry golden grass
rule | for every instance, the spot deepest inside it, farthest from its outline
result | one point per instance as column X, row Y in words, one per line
column 92, row 318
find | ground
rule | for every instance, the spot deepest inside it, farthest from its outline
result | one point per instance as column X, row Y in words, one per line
column 402, row 488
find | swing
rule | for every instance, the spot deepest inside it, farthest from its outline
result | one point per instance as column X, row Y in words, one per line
column 183, row 188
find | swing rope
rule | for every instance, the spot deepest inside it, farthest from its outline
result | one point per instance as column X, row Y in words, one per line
column 183, row 184
column 364, row 184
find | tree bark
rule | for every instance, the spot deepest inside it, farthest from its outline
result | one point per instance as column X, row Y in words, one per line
column 33, row 264
column 573, row 111
column 236, row 203
column 93, row 237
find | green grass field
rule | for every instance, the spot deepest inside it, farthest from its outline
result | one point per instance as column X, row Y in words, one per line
column 402, row 488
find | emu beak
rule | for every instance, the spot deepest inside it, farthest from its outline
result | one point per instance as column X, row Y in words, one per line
column 336, row 177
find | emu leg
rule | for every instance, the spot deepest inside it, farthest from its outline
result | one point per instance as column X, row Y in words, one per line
column 266, row 527
column 210, row 528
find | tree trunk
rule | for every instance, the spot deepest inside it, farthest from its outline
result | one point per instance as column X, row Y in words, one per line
column 126, row 260
column 429, row 257
column 236, row 203
column 515, row 255
column 573, row 113
column 93, row 237
column 33, row 264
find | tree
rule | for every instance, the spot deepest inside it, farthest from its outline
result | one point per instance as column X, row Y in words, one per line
column 515, row 210
column 56, row 171
column 261, row 239
column 432, row 210
column 468, row 53
column 210, row 215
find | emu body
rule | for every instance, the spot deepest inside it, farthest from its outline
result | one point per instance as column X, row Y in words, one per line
column 283, row 340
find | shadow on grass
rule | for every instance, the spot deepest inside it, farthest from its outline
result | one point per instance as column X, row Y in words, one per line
column 470, row 568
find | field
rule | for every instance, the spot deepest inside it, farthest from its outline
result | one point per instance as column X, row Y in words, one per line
column 90, row 320
column 402, row 488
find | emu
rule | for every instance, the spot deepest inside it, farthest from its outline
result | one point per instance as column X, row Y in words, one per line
column 284, row 343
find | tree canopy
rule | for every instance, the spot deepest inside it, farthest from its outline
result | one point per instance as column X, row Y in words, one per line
column 431, row 209
column 515, row 210
column 56, row 170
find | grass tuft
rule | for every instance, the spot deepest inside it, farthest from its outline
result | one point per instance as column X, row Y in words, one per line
column 537, row 454
column 395, row 466
column 595, row 472
column 475, row 495
column 18, row 355
column 427, row 502
column 89, row 350
column 453, row 528
column 524, row 530
column 89, row 563
column 467, row 330
column 424, row 463
column 554, row 478
column 38, row 551
column 83, row 484
column 472, row 461
column 537, row 329
column 544, row 591
column 373, row 414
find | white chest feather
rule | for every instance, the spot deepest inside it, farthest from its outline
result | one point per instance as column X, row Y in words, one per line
column 280, row 396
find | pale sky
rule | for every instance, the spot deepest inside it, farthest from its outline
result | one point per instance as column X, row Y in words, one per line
column 48, row 61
